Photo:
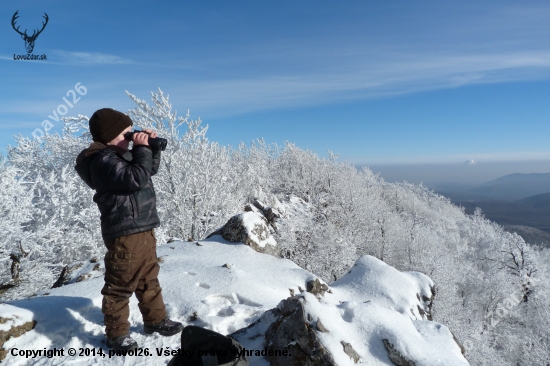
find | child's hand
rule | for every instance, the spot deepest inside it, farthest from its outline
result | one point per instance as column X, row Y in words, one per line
column 151, row 133
column 140, row 139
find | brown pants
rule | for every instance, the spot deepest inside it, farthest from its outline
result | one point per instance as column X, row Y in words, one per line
column 131, row 266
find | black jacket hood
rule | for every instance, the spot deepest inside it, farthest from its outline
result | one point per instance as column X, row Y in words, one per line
column 83, row 162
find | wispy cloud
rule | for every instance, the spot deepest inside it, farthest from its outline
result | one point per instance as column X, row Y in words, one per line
column 499, row 44
column 359, row 79
column 90, row 58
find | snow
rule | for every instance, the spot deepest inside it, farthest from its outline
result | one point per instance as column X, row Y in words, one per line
column 374, row 280
column 251, row 221
column 367, row 305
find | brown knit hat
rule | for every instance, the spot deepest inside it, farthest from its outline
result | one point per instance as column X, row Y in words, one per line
column 106, row 124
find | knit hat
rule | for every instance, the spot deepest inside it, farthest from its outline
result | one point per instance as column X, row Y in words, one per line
column 106, row 124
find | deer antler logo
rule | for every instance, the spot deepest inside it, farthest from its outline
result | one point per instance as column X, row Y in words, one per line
column 29, row 40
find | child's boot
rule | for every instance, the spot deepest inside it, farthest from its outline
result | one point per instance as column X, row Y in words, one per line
column 122, row 343
column 165, row 327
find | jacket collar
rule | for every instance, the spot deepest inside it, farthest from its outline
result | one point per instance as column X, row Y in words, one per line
column 126, row 154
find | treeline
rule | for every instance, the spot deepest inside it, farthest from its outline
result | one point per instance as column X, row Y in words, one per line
column 492, row 288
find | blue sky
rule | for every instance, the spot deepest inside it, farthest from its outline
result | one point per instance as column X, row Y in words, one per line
column 379, row 82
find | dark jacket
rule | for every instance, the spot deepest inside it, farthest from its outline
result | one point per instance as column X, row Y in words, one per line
column 124, row 191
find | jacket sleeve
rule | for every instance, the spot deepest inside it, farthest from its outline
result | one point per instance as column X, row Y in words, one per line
column 156, row 162
column 114, row 173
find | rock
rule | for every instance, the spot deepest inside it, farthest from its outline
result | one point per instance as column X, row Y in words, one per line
column 193, row 317
column 316, row 287
column 250, row 229
column 395, row 356
column 321, row 328
column 15, row 266
column 348, row 349
column 428, row 303
column 83, row 277
column 65, row 275
column 15, row 331
column 292, row 331
column 78, row 272
column 6, row 286
column 63, row 278
column 462, row 349
column 249, row 207
column 271, row 214
column 269, row 200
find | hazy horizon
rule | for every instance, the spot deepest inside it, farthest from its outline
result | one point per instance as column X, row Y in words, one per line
column 447, row 174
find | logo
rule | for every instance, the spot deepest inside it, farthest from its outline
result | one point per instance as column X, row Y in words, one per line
column 29, row 40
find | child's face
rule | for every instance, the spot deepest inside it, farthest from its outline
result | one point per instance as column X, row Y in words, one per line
column 120, row 141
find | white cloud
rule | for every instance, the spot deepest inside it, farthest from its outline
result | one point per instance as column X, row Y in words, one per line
column 470, row 162
column 90, row 58
column 360, row 79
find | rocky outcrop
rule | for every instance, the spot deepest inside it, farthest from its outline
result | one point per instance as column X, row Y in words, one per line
column 316, row 287
column 462, row 349
column 269, row 213
column 291, row 327
column 395, row 356
column 14, row 331
column 426, row 309
column 373, row 313
column 294, row 331
column 251, row 229
column 78, row 272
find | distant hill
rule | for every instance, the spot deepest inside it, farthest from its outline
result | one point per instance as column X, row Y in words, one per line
column 539, row 201
column 508, row 188
column 513, row 187
column 529, row 217
column 519, row 202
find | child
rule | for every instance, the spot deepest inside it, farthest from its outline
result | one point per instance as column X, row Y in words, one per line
column 127, row 203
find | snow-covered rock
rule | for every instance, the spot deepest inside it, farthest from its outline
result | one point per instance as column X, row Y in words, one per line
column 228, row 287
column 251, row 229
column 14, row 322
column 80, row 271
column 270, row 214
column 294, row 331
column 374, row 315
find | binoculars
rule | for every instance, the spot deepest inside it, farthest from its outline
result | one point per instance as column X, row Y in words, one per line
column 156, row 143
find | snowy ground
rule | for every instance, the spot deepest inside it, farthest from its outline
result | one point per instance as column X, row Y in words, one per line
column 371, row 303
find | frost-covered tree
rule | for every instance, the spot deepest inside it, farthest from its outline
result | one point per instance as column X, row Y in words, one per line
column 62, row 220
column 15, row 208
column 198, row 185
